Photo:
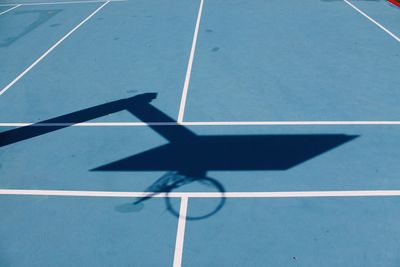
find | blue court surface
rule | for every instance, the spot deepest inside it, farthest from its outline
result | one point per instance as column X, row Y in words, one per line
column 199, row 133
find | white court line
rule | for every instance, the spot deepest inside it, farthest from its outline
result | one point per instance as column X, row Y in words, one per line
column 62, row 3
column 180, row 235
column 201, row 123
column 51, row 49
column 291, row 194
column 288, row 123
column 189, row 67
column 8, row 10
column 372, row 20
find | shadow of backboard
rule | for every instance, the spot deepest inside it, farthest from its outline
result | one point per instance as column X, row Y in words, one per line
column 187, row 157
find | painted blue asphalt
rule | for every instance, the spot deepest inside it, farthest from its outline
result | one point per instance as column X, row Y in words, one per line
column 278, row 232
column 296, row 232
column 305, row 60
column 28, row 31
column 64, row 159
column 84, row 232
column 284, row 232
column 386, row 13
column 4, row 8
column 125, row 49
column 42, row 2
column 255, row 60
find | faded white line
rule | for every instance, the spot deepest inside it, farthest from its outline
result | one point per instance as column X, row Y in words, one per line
column 201, row 123
column 51, row 49
column 372, row 20
column 62, row 3
column 189, row 67
column 8, row 10
column 289, row 194
column 180, row 235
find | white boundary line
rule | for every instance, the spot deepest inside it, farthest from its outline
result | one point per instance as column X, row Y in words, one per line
column 61, row 3
column 189, row 66
column 8, row 10
column 202, row 123
column 180, row 235
column 51, row 49
column 291, row 194
column 372, row 20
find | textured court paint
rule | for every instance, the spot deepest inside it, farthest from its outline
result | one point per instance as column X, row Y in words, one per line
column 34, row 2
column 8, row 10
column 296, row 232
column 56, row 231
column 62, row 3
column 244, row 231
column 311, row 60
column 63, row 160
column 28, row 32
column 382, row 11
column 373, row 21
column 143, row 49
column 54, row 46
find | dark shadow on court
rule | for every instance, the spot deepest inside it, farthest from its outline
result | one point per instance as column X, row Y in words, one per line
column 187, row 157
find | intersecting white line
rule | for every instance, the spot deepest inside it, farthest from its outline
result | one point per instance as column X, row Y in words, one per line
column 289, row 194
column 201, row 123
column 22, row 74
column 189, row 66
column 372, row 20
column 180, row 235
column 8, row 10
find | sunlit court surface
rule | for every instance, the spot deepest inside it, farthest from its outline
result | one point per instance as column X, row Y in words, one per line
column 200, row 133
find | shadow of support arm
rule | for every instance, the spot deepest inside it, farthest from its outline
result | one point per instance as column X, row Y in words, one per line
column 57, row 123
column 147, row 113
